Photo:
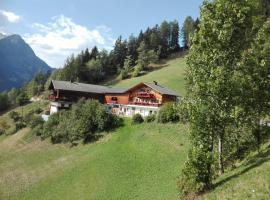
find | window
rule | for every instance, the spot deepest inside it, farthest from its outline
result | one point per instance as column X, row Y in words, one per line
column 114, row 98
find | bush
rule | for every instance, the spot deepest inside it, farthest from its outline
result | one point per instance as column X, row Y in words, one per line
column 19, row 125
column 15, row 116
column 38, row 110
column 3, row 127
column 50, row 125
column 38, row 130
column 82, row 122
column 150, row 118
column 35, row 121
column 168, row 113
column 197, row 174
column 137, row 119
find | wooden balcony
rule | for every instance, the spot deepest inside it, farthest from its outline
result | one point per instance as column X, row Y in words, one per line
column 144, row 95
column 145, row 104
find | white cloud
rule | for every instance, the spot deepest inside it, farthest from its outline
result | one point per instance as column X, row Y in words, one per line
column 10, row 16
column 61, row 37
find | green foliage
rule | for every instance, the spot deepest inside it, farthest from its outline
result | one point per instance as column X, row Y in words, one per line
column 197, row 174
column 95, row 71
column 15, row 116
column 137, row 119
column 187, row 30
column 145, row 57
column 226, row 30
column 137, row 70
column 168, row 113
column 19, row 125
column 3, row 101
column 84, row 122
column 150, row 118
column 4, row 126
column 34, row 121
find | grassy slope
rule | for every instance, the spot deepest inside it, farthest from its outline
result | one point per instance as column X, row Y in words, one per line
column 21, row 109
column 250, row 180
column 135, row 162
column 171, row 76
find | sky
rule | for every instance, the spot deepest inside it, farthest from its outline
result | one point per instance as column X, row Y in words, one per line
column 57, row 28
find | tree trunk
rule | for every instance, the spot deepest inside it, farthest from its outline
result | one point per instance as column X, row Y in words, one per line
column 220, row 154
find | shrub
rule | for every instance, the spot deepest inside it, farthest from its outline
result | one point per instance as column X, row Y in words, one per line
column 168, row 113
column 150, row 118
column 35, row 121
column 82, row 122
column 19, row 125
column 137, row 119
column 15, row 116
column 38, row 110
column 197, row 174
column 37, row 130
column 50, row 125
column 3, row 126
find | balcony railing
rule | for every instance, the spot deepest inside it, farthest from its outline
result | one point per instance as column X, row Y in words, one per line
column 144, row 95
column 145, row 104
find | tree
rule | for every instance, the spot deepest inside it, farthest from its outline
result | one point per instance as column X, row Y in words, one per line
column 225, row 32
column 119, row 52
column 145, row 57
column 94, row 53
column 95, row 71
column 132, row 46
column 86, row 56
column 187, row 30
column 174, row 43
column 254, row 67
column 126, row 68
column 165, row 37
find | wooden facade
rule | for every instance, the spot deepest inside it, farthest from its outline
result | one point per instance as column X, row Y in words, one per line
column 142, row 98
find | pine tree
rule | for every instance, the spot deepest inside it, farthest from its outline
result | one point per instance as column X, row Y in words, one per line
column 165, row 37
column 187, row 30
column 174, row 42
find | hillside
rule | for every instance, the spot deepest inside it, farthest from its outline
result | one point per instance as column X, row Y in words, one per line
column 171, row 76
column 15, row 72
column 250, row 180
column 134, row 162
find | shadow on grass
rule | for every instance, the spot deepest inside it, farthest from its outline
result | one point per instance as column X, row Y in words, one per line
column 256, row 161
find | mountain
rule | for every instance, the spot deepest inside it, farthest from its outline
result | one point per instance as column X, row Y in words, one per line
column 2, row 36
column 18, row 62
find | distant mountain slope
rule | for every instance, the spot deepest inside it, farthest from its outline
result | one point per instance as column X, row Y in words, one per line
column 18, row 62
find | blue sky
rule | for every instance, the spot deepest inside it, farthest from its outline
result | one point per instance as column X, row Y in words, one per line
column 57, row 28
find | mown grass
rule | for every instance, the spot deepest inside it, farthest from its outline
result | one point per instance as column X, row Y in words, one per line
column 134, row 162
column 171, row 76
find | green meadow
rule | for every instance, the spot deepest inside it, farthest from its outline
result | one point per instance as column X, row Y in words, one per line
column 133, row 162
column 139, row 162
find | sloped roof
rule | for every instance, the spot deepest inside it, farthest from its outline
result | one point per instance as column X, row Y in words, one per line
column 98, row 89
column 161, row 89
column 82, row 87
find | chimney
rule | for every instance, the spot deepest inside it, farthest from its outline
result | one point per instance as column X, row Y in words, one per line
column 155, row 82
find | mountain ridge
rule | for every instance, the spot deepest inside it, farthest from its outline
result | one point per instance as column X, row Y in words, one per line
column 18, row 63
